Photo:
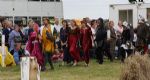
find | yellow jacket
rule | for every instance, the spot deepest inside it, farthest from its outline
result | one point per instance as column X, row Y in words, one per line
column 9, row 60
column 48, row 46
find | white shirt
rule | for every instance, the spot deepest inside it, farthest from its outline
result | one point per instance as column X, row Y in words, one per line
column 135, row 38
column 57, row 27
column 93, row 32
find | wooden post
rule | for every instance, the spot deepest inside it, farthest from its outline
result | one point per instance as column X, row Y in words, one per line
column 25, row 61
column 3, row 51
column 29, row 69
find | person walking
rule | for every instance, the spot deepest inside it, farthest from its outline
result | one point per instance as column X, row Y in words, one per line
column 48, row 33
column 86, row 41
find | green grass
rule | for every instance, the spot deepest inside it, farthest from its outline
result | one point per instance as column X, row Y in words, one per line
column 107, row 71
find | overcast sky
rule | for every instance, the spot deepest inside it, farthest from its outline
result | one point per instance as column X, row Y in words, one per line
column 91, row 8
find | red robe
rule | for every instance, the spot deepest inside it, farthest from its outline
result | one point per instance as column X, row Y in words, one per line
column 86, row 42
column 73, row 38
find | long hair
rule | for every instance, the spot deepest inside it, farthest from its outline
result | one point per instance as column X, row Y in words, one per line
column 65, row 22
column 30, row 20
column 36, row 27
column 83, row 22
column 74, row 23
column 92, row 22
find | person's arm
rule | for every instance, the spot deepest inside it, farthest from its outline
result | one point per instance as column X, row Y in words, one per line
column 55, row 33
column 11, row 37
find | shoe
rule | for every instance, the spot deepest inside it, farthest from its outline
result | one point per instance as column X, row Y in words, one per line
column 100, row 62
column 43, row 69
column 86, row 65
column 63, row 63
column 52, row 68
column 75, row 64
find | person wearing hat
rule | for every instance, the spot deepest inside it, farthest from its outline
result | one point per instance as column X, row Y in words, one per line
column 126, row 41
column 142, row 34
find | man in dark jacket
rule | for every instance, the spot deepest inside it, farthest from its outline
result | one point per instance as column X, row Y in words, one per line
column 101, row 35
column 142, row 35
column 126, row 46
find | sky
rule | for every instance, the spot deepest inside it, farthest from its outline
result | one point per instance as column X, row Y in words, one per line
column 89, row 8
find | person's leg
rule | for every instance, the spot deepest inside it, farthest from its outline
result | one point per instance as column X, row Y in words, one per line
column 74, row 52
column 119, row 52
column 97, row 54
column 129, row 52
column 69, row 58
column 101, row 56
column 49, row 56
column 123, row 54
column 108, row 51
column 65, row 54
column 43, row 68
column 86, row 56
column 112, row 50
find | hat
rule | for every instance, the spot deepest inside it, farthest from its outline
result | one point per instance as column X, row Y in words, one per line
column 125, row 23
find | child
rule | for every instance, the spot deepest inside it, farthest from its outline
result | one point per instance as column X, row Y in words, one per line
column 17, row 53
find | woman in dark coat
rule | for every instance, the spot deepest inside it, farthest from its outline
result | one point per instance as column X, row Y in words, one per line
column 64, row 31
column 101, row 35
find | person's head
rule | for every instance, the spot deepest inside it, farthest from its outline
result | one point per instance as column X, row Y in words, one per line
column 65, row 23
column 56, row 21
column 8, row 24
column 125, row 25
column 120, row 23
column 16, row 27
column 2, row 19
column 93, row 23
column 36, row 27
column 4, row 23
column 73, row 23
column 83, row 24
column 111, row 24
column 87, row 19
column 30, row 23
column 17, row 46
column 100, row 22
column 46, row 21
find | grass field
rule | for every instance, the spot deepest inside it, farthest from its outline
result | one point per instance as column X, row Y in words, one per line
column 107, row 71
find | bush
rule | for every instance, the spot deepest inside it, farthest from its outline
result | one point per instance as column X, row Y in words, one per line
column 136, row 67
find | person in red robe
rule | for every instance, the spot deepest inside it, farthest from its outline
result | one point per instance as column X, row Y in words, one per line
column 86, row 40
column 73, row 39
column 36, row 43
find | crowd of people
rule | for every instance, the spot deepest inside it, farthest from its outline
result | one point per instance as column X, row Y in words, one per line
column 72, row 43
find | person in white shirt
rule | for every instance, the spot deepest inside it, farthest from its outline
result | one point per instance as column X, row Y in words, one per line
column 57, row 26
column 93, row 28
